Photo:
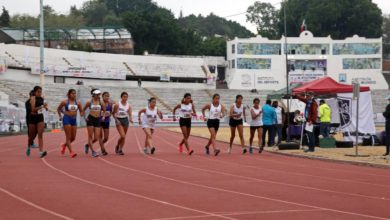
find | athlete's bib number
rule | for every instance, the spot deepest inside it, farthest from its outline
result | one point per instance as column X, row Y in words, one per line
column 73, row 108
column 237, row 115
column 186, row 114
column 151, row 119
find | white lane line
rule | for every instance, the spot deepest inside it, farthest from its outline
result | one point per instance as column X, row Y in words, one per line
column 292, row 172
column 35, row 205
column 267, row 198
column 243, row 213
column 341, row 170
column 280, row 183
column 132, row 194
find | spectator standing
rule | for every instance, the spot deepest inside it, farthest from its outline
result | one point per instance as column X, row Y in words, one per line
column 280, row 118
column 269, row 118
column 311, row 112
column 386, row 114
column 325, row 115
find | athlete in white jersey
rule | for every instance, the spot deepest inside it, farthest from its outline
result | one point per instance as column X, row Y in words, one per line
column 216, row 112
column 256, row 124
column 187, row 111
column 148, row 122
column 237, row 118
column 123, row 116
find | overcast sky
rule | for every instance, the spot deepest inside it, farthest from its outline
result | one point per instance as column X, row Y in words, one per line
column 219, row 7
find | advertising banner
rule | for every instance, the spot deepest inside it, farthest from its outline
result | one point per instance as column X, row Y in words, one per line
column 82, row 72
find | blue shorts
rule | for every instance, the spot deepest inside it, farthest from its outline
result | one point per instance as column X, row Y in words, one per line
column 69, row 120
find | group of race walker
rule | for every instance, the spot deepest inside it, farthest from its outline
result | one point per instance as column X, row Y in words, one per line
column 101, row 108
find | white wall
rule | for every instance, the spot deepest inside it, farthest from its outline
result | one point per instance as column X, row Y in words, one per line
column 277, row 74
column 26, row 76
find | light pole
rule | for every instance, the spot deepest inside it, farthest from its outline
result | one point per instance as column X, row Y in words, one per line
column 41, row 45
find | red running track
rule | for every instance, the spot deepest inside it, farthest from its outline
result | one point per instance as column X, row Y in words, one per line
column 170, row 185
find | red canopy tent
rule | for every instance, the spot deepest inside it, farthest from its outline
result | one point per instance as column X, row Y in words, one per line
column 346, row 106
column 326, row 85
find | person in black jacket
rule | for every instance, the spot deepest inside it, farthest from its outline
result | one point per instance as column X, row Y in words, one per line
column 28, row 118
column 386, row 114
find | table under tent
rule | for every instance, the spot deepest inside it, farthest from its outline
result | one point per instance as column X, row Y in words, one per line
column 340, row 98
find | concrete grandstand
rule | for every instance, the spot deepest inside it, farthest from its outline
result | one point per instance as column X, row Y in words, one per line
column 164, row 77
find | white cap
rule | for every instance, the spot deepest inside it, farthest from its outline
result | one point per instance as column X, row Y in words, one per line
column 97, row 92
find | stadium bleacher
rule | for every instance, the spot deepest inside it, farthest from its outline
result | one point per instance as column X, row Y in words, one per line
column 28, row 57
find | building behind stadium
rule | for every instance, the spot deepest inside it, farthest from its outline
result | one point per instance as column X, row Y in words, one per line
column 259, row 63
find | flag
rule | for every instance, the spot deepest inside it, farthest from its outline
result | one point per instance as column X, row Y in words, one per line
column 303, row 26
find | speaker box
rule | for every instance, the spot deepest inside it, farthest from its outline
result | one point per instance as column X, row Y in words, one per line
column 344, row 144
column 289, row 146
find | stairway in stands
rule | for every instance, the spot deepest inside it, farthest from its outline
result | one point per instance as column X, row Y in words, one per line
column 160, row 101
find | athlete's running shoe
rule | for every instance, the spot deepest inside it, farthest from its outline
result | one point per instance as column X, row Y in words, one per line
column 28, row 151
column 152, row 150
column 251, row 150
column 190, row 152
column 73, row 154
column 261, row 150
column 63, row 148
column 244, row 150
column 117, row 149
column 216, row 152
column 95, row 154
column 86, row 148
column 146, row 151
column 207, row 149
column 180, row 148
column 34, row 145
column 104, row 153
column 120, row 152
column 43, row 154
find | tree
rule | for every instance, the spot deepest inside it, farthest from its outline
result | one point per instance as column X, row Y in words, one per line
column 5, row 20
column 386, row 36
column 24, row 21
column 340, row 19
column 214, row 46
column 212, row 25
column 265, row 16
column 154, row 31
column 94, row 12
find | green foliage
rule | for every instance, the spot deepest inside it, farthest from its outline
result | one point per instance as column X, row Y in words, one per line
column 214, row 46
column 5, row 18
column 213, row 25
column 386, row 36
column 338, row 18
column 153, row 28
column 80, row 46
column 265, row 16
column 154, row 31
column 24, row 21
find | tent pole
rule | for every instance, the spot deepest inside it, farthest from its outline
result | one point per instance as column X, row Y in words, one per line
column 357, row 124
column 287, row 79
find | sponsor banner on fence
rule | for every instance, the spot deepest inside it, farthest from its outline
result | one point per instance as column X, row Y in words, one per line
column 82, row 72
column 300, row 76
column 165, row 77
